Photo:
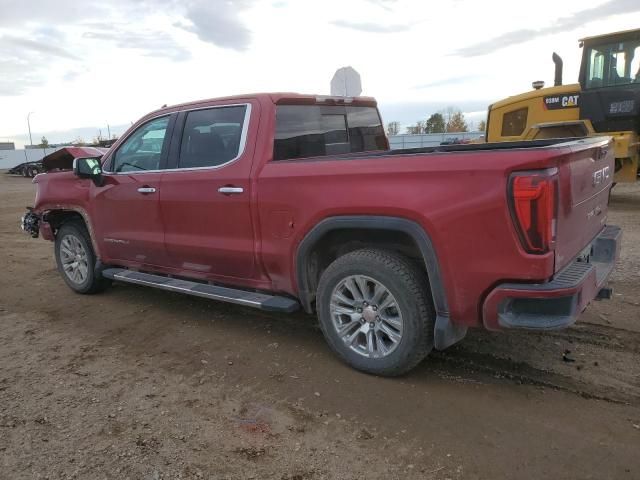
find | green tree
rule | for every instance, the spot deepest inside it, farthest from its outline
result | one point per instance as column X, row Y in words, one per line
column 482, row 125
column 44, row 143
column 457, row 123
column 393, row 128
column 435, row 124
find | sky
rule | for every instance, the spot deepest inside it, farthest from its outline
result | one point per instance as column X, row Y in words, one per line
column 82, row 65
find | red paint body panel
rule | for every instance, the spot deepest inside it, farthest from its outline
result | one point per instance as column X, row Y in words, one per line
column 206, row 232
column 459, row 198
column 128, row 224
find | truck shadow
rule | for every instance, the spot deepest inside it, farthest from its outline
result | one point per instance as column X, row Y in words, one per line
column 277, row 345
column 624, row 200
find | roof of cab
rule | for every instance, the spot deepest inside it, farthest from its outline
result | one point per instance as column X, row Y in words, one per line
column 276, row 98
column 612, row 35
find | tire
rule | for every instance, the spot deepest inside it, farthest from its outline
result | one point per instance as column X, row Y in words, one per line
column 25, row 172
column 407, row 287
column 77, row 260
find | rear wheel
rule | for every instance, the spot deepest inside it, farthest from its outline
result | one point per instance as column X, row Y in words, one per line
column 376, row 312
column 76, row 259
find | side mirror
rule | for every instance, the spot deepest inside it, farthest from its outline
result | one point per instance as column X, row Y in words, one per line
column 88, row 168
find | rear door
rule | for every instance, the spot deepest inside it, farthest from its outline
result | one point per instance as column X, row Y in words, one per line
column 206, row 194
column 586, row 176
column 127, row 209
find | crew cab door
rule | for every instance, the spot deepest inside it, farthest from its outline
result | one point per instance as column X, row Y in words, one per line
column 126, row 208
column 206, row 193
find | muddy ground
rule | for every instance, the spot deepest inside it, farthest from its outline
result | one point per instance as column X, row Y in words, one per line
column 137, row 383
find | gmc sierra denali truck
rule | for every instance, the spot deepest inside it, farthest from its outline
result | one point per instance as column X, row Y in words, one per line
column 281, row 201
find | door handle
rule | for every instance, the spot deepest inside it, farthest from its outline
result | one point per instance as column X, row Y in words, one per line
column 231, row 190
column 146, row 190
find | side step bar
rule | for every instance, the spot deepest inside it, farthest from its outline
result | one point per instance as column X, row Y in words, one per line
column 270, row 303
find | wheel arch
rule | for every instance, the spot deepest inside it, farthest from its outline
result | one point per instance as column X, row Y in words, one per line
column 56, row 217
column 309, row 263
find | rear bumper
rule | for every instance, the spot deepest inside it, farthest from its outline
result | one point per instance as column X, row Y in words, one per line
column 558, row 303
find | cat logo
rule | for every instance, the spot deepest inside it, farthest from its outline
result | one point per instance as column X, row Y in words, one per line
column 558, row 102
column 570, row 101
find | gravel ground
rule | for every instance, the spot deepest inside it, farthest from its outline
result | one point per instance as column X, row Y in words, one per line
column 140, row 384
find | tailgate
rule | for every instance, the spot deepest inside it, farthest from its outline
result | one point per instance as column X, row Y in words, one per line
column 585, row 178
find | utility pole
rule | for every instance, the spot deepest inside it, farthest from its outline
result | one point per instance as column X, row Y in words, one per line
column 29, row 125
column 108, row 132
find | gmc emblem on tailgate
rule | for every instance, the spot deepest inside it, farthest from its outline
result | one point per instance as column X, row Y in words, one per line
column 601, row 175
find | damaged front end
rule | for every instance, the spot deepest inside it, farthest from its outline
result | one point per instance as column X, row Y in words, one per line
column 37, row 225
column 30, row 223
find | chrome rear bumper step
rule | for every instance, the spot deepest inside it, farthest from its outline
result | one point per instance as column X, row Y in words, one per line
column 270, row 303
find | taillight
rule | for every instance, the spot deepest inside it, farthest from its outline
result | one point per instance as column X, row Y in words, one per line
column 534, row 208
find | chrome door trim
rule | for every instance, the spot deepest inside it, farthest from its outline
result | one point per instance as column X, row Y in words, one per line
column 241, row 146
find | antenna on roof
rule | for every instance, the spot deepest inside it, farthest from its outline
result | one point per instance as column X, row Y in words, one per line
column 346, row 83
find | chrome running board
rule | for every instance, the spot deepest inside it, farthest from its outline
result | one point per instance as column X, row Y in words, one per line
column 270, row 303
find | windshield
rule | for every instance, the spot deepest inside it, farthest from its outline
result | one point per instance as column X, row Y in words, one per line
column 613, row 64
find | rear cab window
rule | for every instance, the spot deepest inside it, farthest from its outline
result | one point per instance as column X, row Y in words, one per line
column 318, row 130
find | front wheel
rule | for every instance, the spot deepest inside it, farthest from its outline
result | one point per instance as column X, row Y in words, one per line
column 76, row 259
column 376, row 312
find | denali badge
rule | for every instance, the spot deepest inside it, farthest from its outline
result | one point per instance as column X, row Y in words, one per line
column 115, row 240
column 601, row 175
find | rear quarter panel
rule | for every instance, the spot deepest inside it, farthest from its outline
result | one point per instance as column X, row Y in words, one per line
column 458, row 198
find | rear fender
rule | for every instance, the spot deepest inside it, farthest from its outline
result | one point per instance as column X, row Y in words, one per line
column 446, row 332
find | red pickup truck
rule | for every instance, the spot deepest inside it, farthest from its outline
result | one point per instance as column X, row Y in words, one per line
column 280, row 201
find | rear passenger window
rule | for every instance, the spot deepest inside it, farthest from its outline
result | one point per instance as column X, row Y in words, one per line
column 315, row 130
column 212, row 137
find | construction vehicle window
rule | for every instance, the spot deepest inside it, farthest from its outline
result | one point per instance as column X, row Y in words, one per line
column 514, row 123
column 635, row 65
column 613, row 64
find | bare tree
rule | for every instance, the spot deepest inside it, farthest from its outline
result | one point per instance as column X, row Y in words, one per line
column 393, row 128
column 418, row 128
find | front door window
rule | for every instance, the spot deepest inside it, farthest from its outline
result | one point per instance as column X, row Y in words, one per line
column 143, row 149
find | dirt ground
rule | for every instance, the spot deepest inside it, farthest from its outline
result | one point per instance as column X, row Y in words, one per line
column 137, row 383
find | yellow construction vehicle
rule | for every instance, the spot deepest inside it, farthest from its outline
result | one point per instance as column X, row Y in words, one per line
column 606, row 101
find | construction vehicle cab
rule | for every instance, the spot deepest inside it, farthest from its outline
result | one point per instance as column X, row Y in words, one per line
column 606, row 101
